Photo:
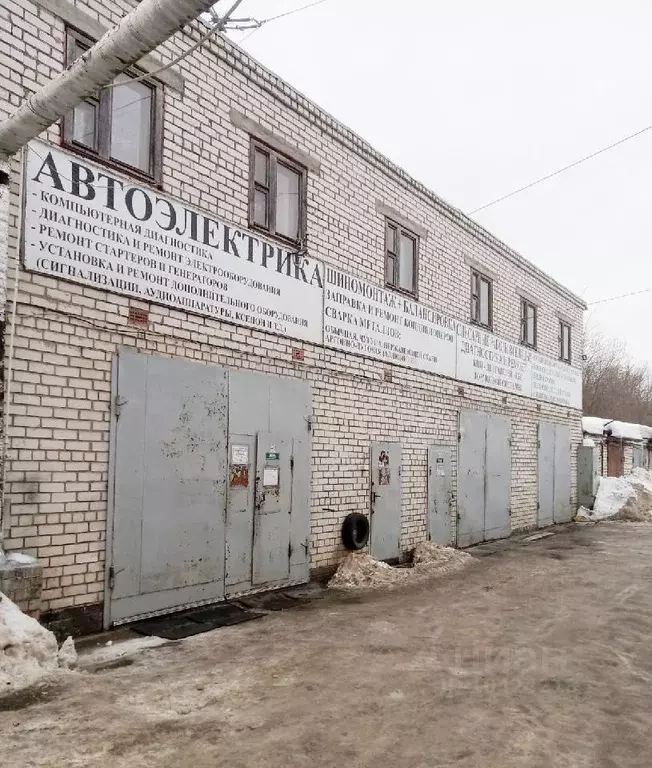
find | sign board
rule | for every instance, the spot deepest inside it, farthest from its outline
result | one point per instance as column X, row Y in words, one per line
column 89, row 225
column 362, row 318
column 488, row 361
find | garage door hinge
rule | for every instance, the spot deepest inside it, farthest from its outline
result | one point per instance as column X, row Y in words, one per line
column 111, row 577
column 289, row 551
column 118, row 402
column 291, row 463
column 459, row 437
column 510, row 511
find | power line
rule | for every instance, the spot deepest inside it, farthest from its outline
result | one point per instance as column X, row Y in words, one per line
column 621, row 296
column 561, row 170
column 262, row 22
column 217, row 27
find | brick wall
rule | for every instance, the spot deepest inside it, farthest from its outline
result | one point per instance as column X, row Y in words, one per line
column 66, row 335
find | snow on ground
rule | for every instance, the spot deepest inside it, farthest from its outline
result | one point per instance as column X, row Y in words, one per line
column 622, row 498
column 360, row 571
column 28, row 651
column 109, row 652
column 613, row 493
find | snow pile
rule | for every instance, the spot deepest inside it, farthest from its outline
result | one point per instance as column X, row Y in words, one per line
column 360, row 571
column 613, row 494
column 28, row 651
column 625, row 498
column 430, row 559
column 584, row 515
column 642, row 477
column 67, row 656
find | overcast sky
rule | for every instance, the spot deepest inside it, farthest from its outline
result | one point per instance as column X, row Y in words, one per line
column 476, row 99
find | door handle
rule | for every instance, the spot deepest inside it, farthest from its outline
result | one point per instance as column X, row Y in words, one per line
column 259, row 497
column 374, row 496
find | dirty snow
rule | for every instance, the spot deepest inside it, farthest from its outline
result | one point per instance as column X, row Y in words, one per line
column 625, row 498
column 68, row 654
column 613, row 493
column 584, row 515
column 28, row 651
column 360, row 571
column 642, row 477
column 18, row 558
column 110, row 651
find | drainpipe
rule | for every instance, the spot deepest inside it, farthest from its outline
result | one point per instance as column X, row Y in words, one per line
column 151, row 23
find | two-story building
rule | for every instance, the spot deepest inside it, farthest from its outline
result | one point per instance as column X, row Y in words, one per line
column 230, row 322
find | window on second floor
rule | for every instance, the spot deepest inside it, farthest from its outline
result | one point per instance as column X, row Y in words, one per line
column 277, row 193
column 481, row 299
column 119, row 124
column 564, row 341
column 401, row 248
column 528, row 323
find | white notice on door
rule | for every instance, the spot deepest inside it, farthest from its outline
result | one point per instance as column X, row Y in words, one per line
column 239, row 454
column 270, row 476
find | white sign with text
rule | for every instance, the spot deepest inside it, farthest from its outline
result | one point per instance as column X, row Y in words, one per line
column 86, row 224
column 93, row 227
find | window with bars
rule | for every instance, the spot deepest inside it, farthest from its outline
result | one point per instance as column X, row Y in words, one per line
column 564, row 341
column 401, row 248
column 528, row 323
column 481, row 299
column 121, row 125
column 277, row 193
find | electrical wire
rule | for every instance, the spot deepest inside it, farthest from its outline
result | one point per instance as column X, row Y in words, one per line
column 280, row 16
column 561, row 170
column 218, row 27
column 621, row 296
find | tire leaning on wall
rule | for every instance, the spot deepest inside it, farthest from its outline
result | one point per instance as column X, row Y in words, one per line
column 355, row 531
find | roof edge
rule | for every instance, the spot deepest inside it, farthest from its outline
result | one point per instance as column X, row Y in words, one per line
column 237, row 57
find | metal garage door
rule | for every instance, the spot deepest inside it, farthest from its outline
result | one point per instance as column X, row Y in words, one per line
column 169, row 487
column 483, row 477
column 439, row 493
column 385, row 533
column 554, row 441
column 196, row 518
column 269, row 481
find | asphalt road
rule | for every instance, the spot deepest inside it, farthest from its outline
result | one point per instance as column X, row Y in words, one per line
column 538, row 655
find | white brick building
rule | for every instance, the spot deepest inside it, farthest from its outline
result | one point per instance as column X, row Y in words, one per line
column 368, row 304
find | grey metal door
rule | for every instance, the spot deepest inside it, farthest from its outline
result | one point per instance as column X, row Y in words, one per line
column 439, row 493
column 240, row 513
column 169, row 489
column 563, row 512
column 471, row 477
column 637, row 456
column 546, row 447
column 498, row 478
column 385, row 534
column 272, row 509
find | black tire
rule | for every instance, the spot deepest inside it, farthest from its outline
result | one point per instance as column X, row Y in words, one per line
column 355, row 531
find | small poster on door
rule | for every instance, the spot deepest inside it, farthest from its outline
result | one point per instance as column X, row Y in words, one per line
column 383, row 468
column 239, row 454
column 441, row 472
column 270, row 477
